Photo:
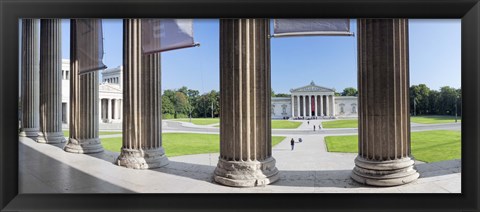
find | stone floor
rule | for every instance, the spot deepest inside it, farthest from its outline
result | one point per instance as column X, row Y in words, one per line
column 309, row 168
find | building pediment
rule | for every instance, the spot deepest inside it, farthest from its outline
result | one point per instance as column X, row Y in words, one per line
column 106, row 87
column 311, row 88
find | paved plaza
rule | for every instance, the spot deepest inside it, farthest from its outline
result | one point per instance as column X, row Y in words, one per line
column 309, row 168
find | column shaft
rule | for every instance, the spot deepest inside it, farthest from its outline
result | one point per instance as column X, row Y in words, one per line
column 142, row 120
column 293, row 103
column 321, row 105
column 304, row 106
column 298, row 106
column 383, row 81
column 83, row 95
column 30, row 79
column 327, row 105
column 316, row 107
column 245, row 132
column 50, row 82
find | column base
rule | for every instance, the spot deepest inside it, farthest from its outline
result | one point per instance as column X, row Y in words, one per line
column 51, row 137
column 83, row 146
column 29, row 132
column 142, row 159
column 246, row 173
column 384, row 173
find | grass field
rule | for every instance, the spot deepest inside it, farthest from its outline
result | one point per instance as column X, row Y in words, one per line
column 349, row 123
column 66, row 133
column 285, row 124
column 177, row 144
column 433, row 119
column 353, row 123
column 427, row 146
column 276, row 124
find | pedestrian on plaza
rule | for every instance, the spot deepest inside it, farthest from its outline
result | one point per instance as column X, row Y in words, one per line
column 292, row 142
column 300, row 140
column 314, row 127
column 308, row 122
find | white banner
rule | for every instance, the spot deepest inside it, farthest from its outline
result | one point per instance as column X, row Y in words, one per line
column 89, row 45
column 310, row 27
column 160, row 35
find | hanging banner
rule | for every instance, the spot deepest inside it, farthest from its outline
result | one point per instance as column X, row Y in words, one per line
column 311, row 27
column 89, row 45
column 159, row 35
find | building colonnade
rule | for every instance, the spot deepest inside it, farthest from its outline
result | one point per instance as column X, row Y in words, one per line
column 313, row 105
column 245, row 149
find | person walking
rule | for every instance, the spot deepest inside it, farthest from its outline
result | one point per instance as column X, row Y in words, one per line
column 308, row 122
column 300, row 140
column 320, row 126
column 292, row 142
column 314, row 127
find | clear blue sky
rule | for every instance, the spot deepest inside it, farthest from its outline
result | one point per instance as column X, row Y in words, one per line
column 330, row 61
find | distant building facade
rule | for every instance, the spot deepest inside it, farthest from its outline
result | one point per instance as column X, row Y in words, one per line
column 313, row 101
column 110, row 94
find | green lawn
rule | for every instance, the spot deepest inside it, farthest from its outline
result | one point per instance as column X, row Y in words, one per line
column 66, row 133
column 177, row 144
column 200, row 121
column 285, row 124
column 427, row 146
column 349, row 123
column 353, row 123
column 433, row 119
column 276, row 124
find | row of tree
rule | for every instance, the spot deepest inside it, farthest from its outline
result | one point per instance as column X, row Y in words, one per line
column 184, row 102
column 425, row 101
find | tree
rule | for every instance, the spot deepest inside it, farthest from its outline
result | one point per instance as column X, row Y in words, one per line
column 180, row 104
column 419, row 99
column 167, row 106
column 448, row 98
column 350, row 91
column 282, row 95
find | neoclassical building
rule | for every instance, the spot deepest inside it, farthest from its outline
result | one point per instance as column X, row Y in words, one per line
column 109, row 93
column 314, row 101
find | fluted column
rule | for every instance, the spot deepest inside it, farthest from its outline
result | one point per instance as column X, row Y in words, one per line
column 383, row 81
column 327, row 105
column 321, row 105
column 316, row 106
column 84, row 113
column 30, row 79
column 333, row 105
column 245, row 132
column 109, row 110
column 50, row 82
column 142, row 120
column 304, row 106
column 298, row 106
column 293, row 103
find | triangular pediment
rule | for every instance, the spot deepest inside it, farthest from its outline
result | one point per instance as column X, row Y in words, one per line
column 312, row 88
column 110, row 88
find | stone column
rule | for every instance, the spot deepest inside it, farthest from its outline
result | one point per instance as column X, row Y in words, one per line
column 100, row 109
column 142, row 103
column 321, row 105
column 327, row 106
column 293, row 103
column 245, row 132
column 30, row 79
column 304, row 106
column 383, row 82
column 333, row 105
column 298, row 106
column 109, row 110
column 50, row 82
column 83, row 97
column 315, row 105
